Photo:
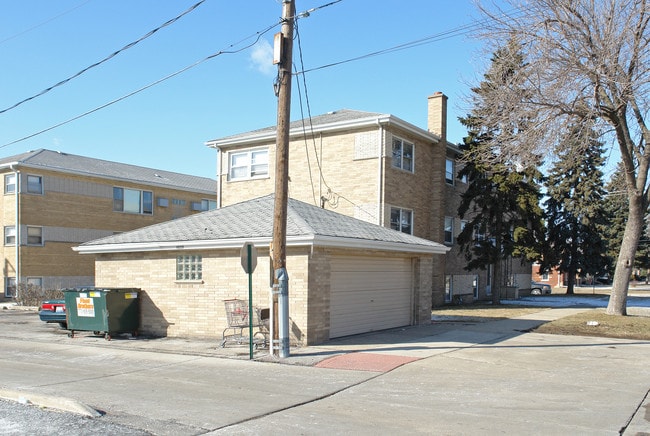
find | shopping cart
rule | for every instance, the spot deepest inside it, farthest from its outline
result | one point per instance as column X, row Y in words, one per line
column 238, row 320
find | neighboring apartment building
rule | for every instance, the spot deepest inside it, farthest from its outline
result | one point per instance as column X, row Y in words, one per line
column 54, row 201
column 371, row 166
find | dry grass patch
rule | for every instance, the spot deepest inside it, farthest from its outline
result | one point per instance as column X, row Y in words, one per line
column 595, row 322
column 479, row 312
column 591, row 322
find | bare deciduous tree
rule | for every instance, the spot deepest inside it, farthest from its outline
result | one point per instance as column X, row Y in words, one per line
column 585, row 59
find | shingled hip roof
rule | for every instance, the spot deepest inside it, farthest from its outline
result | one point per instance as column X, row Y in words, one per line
column 252, row 221
column 49, row 160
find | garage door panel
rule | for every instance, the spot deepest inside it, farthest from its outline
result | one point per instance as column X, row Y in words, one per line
column 352, row 284
column 376, row 298
column 369, row 294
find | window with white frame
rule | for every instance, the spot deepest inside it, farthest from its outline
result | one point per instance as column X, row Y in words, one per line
column 34, row 184
column 401, row 220
column 449, row 171
column 403, row 154
column 10, row 286
column 248, row 164
column 189, row 267
column 10, row 235
column 10, row 183
column 34, row 235
column 132, row 201
column 449, row 230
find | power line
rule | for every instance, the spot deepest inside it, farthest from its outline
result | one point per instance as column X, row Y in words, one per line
column 36, row 26
column 452, row 33
column 257, row 35
column 107, row 58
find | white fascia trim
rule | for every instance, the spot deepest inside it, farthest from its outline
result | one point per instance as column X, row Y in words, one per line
column 269, row 135
column 169, row 246
column 292, row 241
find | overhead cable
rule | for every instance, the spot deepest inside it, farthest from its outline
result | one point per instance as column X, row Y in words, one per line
column 112, row 55
column 36, row 26
column 452, row 33
column 257, row 35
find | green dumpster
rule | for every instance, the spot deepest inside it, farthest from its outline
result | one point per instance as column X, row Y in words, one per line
column 104, row 311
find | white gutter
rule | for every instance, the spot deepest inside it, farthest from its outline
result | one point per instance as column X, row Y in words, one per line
column 295, row 241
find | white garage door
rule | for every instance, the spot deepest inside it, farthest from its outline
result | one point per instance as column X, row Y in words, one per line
column 369, row 294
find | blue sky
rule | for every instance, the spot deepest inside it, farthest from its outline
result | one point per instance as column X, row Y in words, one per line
column 165, row 126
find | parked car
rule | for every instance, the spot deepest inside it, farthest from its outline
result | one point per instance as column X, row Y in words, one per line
column 538, row 288
column 53, row 311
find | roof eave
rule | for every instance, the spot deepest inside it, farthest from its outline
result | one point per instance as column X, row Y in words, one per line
column 270, row 135
column 104, row 177
column 292, row 241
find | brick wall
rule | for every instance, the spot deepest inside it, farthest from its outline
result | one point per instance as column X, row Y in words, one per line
column 196, row 309
column 72, row 210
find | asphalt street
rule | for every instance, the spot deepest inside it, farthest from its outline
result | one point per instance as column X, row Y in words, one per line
column 451, row 378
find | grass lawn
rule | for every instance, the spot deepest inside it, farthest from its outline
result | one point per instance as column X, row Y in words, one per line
column 591, row 322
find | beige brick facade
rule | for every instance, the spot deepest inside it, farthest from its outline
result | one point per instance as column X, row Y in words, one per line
column 351, row 167
column 350, row 170
column 73, row 209
column 196, row 309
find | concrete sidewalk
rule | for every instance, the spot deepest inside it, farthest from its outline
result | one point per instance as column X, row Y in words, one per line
column 445, row 378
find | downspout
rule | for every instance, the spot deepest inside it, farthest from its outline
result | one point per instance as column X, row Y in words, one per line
column 380, row 170
column 218, row 177
column 320, row 170
column 17, row 227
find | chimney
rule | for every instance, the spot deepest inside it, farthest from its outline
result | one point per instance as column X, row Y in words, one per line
column 437, row 116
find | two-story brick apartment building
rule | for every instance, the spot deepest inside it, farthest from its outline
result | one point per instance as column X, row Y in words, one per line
column 372, row 166
column 53, row 201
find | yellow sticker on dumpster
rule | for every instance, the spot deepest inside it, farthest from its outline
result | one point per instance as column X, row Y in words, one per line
column 85, row 307
column 95, row 294
column 130, row 295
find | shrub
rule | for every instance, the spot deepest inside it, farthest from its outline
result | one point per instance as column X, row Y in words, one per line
column 31, row 295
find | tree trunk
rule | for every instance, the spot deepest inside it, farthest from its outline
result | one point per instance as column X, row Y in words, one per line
column 570, row 280
column 496, row 283
column 633, row 229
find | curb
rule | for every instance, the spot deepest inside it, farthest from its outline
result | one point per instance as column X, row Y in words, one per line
column 50, row 402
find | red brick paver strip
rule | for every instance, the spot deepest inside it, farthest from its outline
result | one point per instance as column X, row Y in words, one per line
column 366, row 362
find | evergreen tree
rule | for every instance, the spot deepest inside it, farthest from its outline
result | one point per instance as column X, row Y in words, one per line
column 574, row 210
column 615, row 209
column 502, row 199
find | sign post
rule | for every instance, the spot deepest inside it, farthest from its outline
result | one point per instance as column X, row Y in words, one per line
column 248, row 255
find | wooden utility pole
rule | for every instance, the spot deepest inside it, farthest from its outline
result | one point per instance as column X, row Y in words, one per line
column 280, row 292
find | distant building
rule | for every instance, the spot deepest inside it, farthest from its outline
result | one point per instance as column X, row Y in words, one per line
column 53, row 201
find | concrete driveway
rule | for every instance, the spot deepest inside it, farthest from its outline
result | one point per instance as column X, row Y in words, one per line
column 448, row 378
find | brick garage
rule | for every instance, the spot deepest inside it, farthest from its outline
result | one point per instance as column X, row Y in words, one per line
column 329, row 257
